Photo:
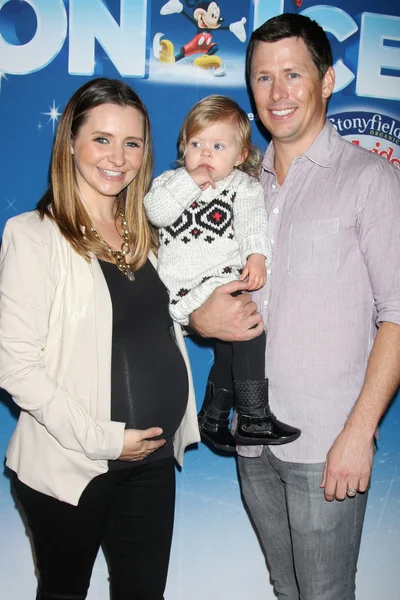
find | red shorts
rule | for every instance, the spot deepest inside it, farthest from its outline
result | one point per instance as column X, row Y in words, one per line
column 198, row 45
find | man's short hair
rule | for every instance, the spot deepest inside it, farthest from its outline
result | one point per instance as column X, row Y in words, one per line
column 290, row 25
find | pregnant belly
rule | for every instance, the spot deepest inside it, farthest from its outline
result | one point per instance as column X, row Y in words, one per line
column 149, row 390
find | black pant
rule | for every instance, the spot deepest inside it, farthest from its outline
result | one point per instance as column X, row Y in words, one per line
column 130, row 512
column 238, row 360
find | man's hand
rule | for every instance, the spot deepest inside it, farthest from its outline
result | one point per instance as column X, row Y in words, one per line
column 348, row 465
column 226, row 317
column 349, row 461
column 202, row 177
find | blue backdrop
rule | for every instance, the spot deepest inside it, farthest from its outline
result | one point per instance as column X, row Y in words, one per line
column 48, row 48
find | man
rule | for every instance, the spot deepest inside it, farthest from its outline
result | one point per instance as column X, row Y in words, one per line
column 331, row 308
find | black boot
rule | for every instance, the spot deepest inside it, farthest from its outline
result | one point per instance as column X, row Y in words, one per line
column 213, row 419
column 256, row 423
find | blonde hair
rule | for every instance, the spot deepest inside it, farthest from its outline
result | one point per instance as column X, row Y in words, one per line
column 62, row 204
column 214, row 109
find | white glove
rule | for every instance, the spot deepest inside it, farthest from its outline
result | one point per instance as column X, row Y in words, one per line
column 238, row 29
column 172, row 7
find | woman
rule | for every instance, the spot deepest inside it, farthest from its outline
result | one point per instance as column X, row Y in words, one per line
column 90, row 354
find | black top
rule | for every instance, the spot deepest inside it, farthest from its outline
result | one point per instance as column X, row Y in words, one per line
column 149, row 384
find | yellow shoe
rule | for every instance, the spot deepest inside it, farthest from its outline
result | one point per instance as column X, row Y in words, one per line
column 167, row 52
column 207, row 61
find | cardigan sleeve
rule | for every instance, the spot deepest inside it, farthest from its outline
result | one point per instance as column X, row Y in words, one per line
column 250, row 218
column 28, row 278
column 170, row 194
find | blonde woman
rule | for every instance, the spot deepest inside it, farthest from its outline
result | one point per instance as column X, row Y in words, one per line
column 90, row 354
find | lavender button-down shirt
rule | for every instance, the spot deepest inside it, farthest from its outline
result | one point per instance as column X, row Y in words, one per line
column 335, row 275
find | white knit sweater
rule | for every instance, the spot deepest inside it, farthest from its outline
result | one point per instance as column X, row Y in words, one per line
column 205, row 236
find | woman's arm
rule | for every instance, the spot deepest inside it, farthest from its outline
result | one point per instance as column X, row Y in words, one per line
column 28, row 278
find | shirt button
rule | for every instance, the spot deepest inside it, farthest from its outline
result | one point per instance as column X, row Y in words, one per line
column 269, row 271
column 272, row 241
column 276, row 210
column 266, row 302
column 273, row 186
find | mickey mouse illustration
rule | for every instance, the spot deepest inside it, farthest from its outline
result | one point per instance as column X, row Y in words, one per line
column 206, row 18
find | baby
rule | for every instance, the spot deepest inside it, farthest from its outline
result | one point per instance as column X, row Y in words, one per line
column 213, row 227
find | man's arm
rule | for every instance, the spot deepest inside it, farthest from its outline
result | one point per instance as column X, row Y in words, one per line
column 226, row 317
column 349, row 461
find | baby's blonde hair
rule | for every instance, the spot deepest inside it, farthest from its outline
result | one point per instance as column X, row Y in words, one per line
column 214, row 109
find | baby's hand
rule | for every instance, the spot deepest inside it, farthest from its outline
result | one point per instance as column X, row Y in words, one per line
column 254, row 272
column 202, row 176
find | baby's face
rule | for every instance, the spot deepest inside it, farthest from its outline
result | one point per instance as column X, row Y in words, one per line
column 217, row 148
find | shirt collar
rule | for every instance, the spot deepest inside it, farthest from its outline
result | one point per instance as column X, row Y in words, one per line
column 320, row 152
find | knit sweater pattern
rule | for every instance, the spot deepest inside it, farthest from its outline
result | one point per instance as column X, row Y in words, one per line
column 205, row 236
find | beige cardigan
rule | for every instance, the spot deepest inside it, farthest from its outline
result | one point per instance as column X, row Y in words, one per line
column 55, row 360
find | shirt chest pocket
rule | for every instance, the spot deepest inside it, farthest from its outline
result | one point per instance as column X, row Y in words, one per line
column 314, row 248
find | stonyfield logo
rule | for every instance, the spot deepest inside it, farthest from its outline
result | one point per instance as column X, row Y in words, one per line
column 376, row 132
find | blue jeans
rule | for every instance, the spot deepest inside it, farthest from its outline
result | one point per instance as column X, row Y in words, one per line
column 311, row 545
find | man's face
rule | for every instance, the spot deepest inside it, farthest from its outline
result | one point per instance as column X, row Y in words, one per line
column 290, row 96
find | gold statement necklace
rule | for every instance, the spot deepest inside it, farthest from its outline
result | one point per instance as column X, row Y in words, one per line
column 119, row 256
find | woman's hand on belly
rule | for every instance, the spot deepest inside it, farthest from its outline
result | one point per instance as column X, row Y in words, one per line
column 139, row 443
